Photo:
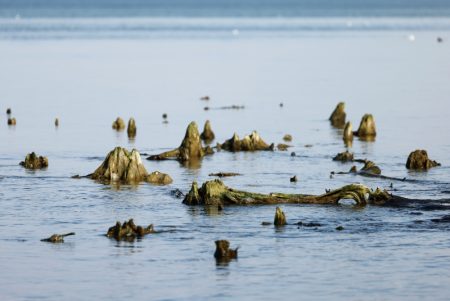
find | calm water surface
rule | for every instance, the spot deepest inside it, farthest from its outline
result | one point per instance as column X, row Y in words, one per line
column 383, row 253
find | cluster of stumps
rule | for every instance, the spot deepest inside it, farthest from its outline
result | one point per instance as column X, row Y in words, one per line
column 124, row 167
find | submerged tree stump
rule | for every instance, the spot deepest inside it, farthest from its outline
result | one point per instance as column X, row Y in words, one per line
column 215, row 193
column 33, row 161
column 252, row 142
column 131, row 129
column 128, row 231
column 280, row 218
column 418, row 159
column 223, row 251
column 338, row 116
column 122, row 166
column 366, row 130
column 118, row 124
column 190, row 148
column 344, row 157
column 207, row 134
column 348, row 134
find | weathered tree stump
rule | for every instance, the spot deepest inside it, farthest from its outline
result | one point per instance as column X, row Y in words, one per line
column 118, row 124
column 190, row 148
column 125, row 167
column 338, row 116
column 348, row 133
column 207, row 134
column 223, row 251
column 12, row 121
column 131, row 129
column 418, row 159
column 344, row 157
column 252, row 142
column 366, row 130
column 33, row 161
column 279, row 219
column 287, row 138
column 128, row 231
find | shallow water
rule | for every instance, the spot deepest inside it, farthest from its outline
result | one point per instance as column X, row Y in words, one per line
column 383, row 253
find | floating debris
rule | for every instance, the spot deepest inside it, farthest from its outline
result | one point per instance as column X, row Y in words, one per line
column 293, row 179
column 204, row 98
column 57, row 238
column 12, row 121
column 33, row 161
column 224, row 174
column 418, row 159
column 232, row 107
column 339, row 228
column 56, row 122
column 8, row 111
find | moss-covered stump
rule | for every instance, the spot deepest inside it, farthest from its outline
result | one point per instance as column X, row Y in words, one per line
column 279, row 219
column 344, row 157
column 57, row 238
column 366, row 130
column 252, row 142
column 128, row 231
column 348, row 133
column 118, row 124
column 33, row 161
column 215, row 193
column 207, row 135
column 223, row 251
column 419, row 160
column 190, row 148
column 122, row 166
column 131, row 129
column 338, row 116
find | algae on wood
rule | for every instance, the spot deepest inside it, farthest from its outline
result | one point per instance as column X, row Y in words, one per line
column 122, row 166
column 252, row 142
column 33, row 161
column 338, row 116
column 418, row 159
column 190, row 148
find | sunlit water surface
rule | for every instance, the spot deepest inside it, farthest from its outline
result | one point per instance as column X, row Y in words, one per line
column 382, row 254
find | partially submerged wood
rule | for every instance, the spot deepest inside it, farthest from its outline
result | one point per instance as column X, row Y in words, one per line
column 371, row 167
column 348, row 133
column 280, row 218
column 33, row 161
column 207, row 134
column 128, row 231
column 223, row 251
column 118, row 124
column 126, row 167
column 8, row 111
column 419, row 160
column 252, row 142
column 232, row 107
column 338, row 116
column 190, row 148
column 215, row 193
column 283, row 147
column 344, row 157
column 131, row 129
column 366, row 130
column 224, row 174
column 57, row 238
column 56, row 122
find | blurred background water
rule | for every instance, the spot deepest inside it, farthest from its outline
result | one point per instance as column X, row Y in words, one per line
column 87, row 62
